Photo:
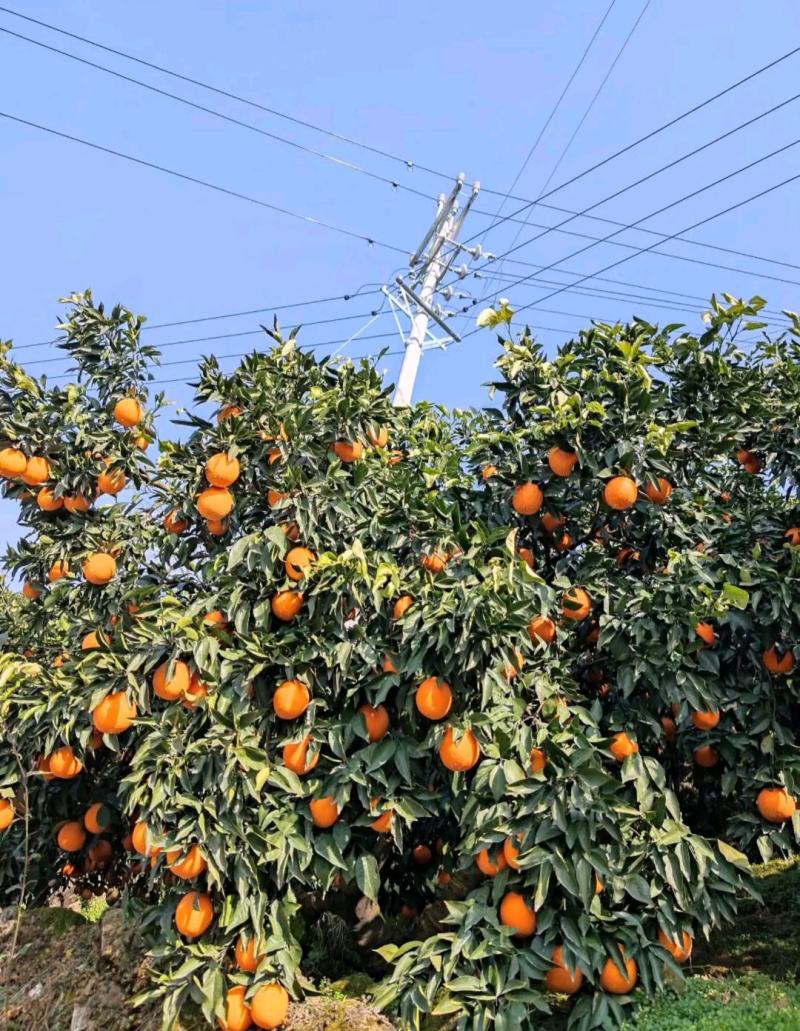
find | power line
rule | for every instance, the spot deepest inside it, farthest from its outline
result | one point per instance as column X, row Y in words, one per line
column 209, row 186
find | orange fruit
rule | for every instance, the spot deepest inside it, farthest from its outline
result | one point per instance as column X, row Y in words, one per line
column 538, row 760
column 560, row 978
column 435, row 562
column 542, row 629
column 248, row 954
column 527, row 557
column 660, row 494
column 378, row 437
column 623, row 746
column 511, row 852
column 275, row 497
column 238, row 1016
column 776, row 804
column 30, row 592
column 576, row 604
column 376, row 720
column 776, row 663
column 487, row 865
column 292, row 531
column 286, row 604
column 517, row 914
column 434, row 698
column 195, row 692
column 215, row 619
column 513, row 669
column 749, row 461
column 174, row 687
column 792, row 535
column 670, row 728
column 98, row 855
column 71, row 836
column 270, row 1006
column 565, row 542
column 215, row 503
column 37, row 471
column 194, row 914
column 221, row 470
column 99, row 569
column 141, row 840
column 298, row 561
column 229, row 411
column 626, row 553
column 561, row 462
column 111, row 482
column 173, row 523
column 551, row 523
column 12, row 463
column 402, row 605
column 706, row 632
column 77, row 504
column 291, row 699
column 527, row 499
column 706, row 756
column 97, row 818
column 63, row 763
column 142, row 442
column 388, row 663
column 679, row 950
column 421, row 855
column 128, row 412
column 47, row 500
column 620, row 493
column 383, row 824
column 614, row 981
column 706, row 720
column 462, row 755
column 295, row 756
column 324, row 811
column 192, row 864
column 347, row 450
column 217, row 527
column 93, row 640
column 488, row 472
column 6, row 814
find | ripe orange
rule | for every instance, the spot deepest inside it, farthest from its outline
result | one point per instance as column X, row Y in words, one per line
column 12, row 463
column 215, row 619
column 706, row 756
column 660, row 494
column 487, row 865
column 614, row 981
column 217, row 527
column 111, row 482
column 620, row 493
column 679, row 950
column 295, row 756
column 195, row 692
column 376, row 720
column 538, row 760
column 434, row 698
column 63, row 763
column 97, row 818
column 270, row 1006
column 71, row 836
column 174, row 687
column 286, row 604
column 777, row 663
column 215, row 503
column 248, row 954
column 142, row 442
column 37, row 471
column 513, row 669
column 99, row 569
column 194, row 914
column 511, row 852
column 383, row 824
column 706, row 720
column 238, row 1016
column 76, row 504
column 98, row 855
column 551, row 523
column 141, row 840
column 565, row 542
column 275, row 497
column 527, row 499
column 517, row 914
column 192, row 864
column 30, row 592
column 93, row 640
column 776, row 804
column 292, row 531
column 561, row 462
column 6, row 814
column 173, row 523
column 488, row 472
column 792, row 535
column 128, row 412
column 421, row 855
column 378, row 437
column 576, row 604
column 324, row 811
column 47, row 500
column 706, row 632
column 348, row 450
column 626, row 553
column 298, row 561
column 434, row 562
column 750, row 461
column 541, row 628
column 229, row 411
column 221, row 470
column 623, row 746
column 527, row 556
column 402, row 605
column 670, row 728
column 291, row 699
column 388, row 663
column 462, row 755
column 560, row 978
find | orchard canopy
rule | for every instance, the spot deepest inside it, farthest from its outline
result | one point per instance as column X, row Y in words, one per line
column 501, row 699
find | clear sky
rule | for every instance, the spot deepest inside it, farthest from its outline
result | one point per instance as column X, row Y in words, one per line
column 462, row 87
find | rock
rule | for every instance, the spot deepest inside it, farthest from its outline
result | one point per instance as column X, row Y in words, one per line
column 118, row 940
column 81, row 1018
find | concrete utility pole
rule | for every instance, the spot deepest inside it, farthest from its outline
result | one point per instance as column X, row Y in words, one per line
column 417, row 298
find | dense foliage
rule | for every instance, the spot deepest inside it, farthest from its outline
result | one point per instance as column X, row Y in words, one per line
column 480, row 685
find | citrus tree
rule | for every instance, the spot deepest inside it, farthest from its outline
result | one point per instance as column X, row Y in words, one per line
column 509, row 692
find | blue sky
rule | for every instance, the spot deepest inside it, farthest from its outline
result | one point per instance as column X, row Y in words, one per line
column 444, row 86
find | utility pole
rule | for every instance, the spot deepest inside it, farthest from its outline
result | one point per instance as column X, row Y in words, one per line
column 417, row 298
